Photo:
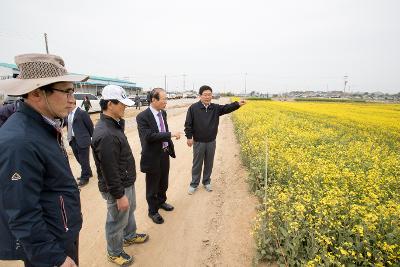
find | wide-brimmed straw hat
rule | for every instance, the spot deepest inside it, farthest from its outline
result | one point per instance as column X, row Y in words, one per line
column 37, row 70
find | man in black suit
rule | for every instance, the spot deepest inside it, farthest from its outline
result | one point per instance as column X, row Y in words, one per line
column 80, row 131
column 157, row 147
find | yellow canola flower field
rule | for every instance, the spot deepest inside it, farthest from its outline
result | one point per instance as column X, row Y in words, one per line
column 332, row 196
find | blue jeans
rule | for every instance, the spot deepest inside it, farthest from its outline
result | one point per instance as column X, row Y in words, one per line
column 120, row 225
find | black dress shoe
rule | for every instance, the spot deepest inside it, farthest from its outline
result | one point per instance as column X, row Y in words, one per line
column 166, row 206
column 156, row 217
column 82, row 183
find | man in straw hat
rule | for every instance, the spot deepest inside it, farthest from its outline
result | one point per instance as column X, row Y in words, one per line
column 40, row 210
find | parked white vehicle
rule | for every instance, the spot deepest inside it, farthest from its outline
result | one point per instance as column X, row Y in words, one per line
column 94, row 101
column 171, row 96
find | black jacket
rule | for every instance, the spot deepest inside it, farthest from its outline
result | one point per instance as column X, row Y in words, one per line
column 7, row 110
column 113, row 156
column 39, row 198
column 83, row 128
column 86, row 104
column 151, row 140
column 202, row 124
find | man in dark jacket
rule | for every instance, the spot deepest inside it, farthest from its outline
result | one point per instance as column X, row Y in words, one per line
column 157, row 147
column 80, row 131
column 7, row 110
column 201, row 128
column 117, row 174
column 137, row 102
column 86, row 103
column 40, row 211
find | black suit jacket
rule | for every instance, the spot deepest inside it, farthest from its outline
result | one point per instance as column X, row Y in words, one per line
column 83, row 128
column 151, row 140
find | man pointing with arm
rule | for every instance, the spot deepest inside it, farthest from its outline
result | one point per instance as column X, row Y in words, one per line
column 157, row 147
column 201, row 128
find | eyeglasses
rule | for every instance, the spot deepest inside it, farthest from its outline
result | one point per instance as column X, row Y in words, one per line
column 70, row 92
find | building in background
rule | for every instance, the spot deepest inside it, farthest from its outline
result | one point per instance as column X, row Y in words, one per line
column 95, row 85
column 8, row 71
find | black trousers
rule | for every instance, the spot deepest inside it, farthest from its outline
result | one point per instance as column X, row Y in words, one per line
column 157, row 185
column 71, row 249
column 82, row 156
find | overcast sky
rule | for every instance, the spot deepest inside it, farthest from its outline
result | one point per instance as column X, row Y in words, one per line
column 282, row 45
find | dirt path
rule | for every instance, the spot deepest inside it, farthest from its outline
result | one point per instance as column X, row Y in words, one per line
column 205, row 229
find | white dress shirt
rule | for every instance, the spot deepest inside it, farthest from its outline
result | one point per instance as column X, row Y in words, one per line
column 71, row 116
column 155, row 112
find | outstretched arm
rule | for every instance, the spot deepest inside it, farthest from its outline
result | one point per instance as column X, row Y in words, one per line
column 146, row 132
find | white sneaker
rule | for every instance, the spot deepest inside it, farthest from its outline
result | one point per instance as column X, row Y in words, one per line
column 191, row 190
column 208, row 187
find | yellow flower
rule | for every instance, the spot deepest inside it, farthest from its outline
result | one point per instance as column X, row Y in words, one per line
column 333, row 178
column 344, row 252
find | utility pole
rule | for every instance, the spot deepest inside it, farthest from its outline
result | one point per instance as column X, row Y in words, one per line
column 345, row 82
column 245, row 83
column 184, row 81
column 45, row 40
column 165, row 83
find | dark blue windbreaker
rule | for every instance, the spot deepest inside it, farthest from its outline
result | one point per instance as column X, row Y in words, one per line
column 40, row 206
